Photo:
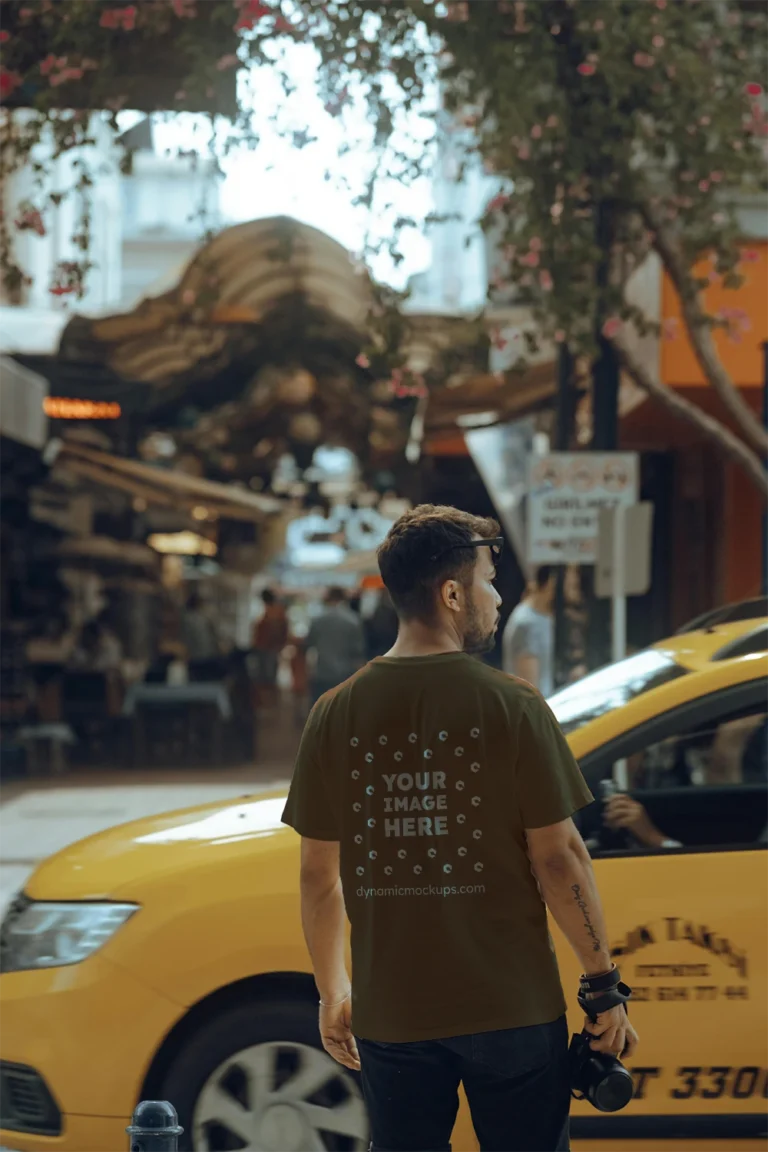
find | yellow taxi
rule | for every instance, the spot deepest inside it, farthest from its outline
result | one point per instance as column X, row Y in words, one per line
column 164, row 959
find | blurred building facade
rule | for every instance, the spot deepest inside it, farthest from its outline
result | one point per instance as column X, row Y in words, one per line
column 707, row 537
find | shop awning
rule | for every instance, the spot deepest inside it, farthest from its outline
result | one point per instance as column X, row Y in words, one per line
column 163, row 487
column 490, row 399
column 487, row 399
column 236, row 281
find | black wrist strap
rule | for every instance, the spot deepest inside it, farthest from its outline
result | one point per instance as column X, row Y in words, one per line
column 600, row 983
column 610, row 999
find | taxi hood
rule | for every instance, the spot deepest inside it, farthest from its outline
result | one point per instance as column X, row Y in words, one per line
column 122, row 858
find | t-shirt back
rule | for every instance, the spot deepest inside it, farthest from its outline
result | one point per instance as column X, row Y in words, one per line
column 428, row 770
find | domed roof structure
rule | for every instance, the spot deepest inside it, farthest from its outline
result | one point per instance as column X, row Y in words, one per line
column 228, row 295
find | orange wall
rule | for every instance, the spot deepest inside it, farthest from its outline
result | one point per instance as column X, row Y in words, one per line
column 744, row 359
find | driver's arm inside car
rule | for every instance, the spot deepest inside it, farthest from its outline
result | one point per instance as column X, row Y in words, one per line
column 624, row 812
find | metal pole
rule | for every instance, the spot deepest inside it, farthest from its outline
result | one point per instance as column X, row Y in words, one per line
column 605, row 425
column 619, row 600
column 563, row 425
column 765, row 463
column 619, row 616
column 564, row 399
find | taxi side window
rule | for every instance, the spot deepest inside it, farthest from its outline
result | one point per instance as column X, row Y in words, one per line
column 705, row 787
column 728, row 753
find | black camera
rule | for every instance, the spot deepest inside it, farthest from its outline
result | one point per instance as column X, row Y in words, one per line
column 598, row 1077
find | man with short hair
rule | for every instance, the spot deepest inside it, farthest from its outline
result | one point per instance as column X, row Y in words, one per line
column 434, row 797
column 337, row 638
column 528, row 642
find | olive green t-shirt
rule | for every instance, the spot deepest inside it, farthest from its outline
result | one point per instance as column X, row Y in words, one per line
column 428, row 770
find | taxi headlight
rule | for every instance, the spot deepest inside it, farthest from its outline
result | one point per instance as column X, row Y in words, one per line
column 38, row 934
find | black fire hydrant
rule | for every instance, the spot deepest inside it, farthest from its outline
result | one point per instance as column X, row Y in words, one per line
column 155, row 1127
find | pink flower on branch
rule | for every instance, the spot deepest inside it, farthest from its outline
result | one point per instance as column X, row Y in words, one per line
column 4, row 36
column 643, row 60
column 586, row 69
column 458, row 13
column 9, row 82
column 124, row 18
column 545, row 280
column 362, row 361
column 184, row 9
column 251, row 11
column 530, row 260
column 753, row 89
column 612, row 327
column 30, row 220
column 50, row 62
column 66, row 74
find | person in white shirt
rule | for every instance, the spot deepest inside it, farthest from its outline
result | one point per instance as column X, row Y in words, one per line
column 528, row 643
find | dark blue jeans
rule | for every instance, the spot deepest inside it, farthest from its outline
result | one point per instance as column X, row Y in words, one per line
column 516, row 1081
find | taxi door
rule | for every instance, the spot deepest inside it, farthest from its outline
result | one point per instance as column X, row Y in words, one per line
column 688, row 930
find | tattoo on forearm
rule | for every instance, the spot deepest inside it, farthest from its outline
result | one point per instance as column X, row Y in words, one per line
column 581, row 902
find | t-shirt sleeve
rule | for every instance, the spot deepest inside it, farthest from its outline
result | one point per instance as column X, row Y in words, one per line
column 308, row 808
column 526, row 640
column 550, row 784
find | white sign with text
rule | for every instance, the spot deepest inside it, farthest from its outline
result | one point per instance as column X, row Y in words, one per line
column 566, row 491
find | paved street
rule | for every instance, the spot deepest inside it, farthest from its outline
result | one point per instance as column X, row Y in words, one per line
column 41, row 816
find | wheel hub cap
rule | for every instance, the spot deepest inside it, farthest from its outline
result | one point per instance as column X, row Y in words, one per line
column 280, row 1096
column 283, row 1129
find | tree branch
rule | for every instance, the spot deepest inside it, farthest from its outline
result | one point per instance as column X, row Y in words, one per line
column 700, row 333
column 713, row 429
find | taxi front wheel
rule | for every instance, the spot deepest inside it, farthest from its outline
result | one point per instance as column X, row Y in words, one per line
column 256, row 1077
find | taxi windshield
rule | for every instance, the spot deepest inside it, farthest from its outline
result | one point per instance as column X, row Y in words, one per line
column 611, row 687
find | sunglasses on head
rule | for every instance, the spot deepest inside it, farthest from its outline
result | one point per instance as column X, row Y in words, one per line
column 495, row 543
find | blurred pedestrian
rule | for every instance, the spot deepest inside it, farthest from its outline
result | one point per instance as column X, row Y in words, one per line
column 337, row 639
column 528, row 643
column 434, row 797
column 198, row 634
column 98, row 648
column 381, row 627
column 270, row 637
column 299, row 679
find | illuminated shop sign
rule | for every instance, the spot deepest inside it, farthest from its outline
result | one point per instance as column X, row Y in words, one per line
column 64, row 408
column 182, row 544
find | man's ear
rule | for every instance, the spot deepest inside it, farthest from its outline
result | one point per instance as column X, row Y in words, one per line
column 450, row 595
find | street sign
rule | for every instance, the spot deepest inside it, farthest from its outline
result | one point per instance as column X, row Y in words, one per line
column 566, row 491
column 632, row 576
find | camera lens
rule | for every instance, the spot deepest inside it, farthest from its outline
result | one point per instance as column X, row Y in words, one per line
column 614, row 1091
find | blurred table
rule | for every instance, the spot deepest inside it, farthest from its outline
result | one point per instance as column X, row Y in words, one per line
column 182, row 702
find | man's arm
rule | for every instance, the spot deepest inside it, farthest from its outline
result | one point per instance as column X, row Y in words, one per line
column 324, row 920
column 323, row 917
column 526, row 666
column 563, row 869
column 518, row 652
